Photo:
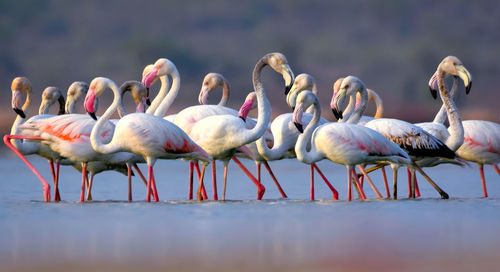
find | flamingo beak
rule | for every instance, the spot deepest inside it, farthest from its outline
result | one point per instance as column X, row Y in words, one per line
column 62, row 103
column 299, row 127
column 465, row 76
column 203, row 97
column 148, row 101
column 337, row 113
column 19, row 112
column 16, row 103
column 433, row 85
column 297, row 117
column 147, row 80
column 89, row 103
column 288, row 77
column 433, row 92
column 245, row 109
column 92, row 114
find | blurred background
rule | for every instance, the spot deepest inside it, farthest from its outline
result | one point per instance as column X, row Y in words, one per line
column 393, row 46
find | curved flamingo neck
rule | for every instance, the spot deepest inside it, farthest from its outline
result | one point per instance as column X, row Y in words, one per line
column 170, row 97
column 441, row 115
column 305, row 139
column 276, row 152
column 225, row 94
column 353, row 117
column 95, row 135
column 379, row 113
column 165, row 84
column 22, row 146
column 456, row 128
column 263, row 106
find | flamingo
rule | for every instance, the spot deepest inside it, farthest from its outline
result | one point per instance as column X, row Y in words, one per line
column 68, row 136
column 481, row 138
column 21, row 86
column 417, row 142
column 144, row 134
column 221, row 135
column 343, row 143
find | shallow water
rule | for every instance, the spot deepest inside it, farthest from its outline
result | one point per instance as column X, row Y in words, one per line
column 244, row 234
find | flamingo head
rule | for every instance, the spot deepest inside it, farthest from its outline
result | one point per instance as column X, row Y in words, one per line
column 138, row 92
column 210, row 83
column 49, row 96
column 97, row 87
column 247, row 106
column 304, row 100
column 146, row 70
column 453, row 66
column 349, row 87
column 278, row 62
column 19, row 87
column 301, row 82
column 76, row 91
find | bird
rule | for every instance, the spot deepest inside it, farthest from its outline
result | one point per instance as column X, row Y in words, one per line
column 343, row 143
column 481, row 138
column 221, row 135
column 144, row 134
column 418, row 143
column 20, row 144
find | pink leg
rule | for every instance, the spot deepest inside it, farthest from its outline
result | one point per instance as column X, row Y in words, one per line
column 214, row 180
column 283, row 195
column 417, row 191
column 362, row 169
column 388, row 194
column 203, row 191
column 55, row 178
column 129, row 175
column 483, row 181
column 148, row 190
column 45, row 184
column 496, row 168
column 89, row 188
column 349, row 184
column 334, row 192
column 361, row 192
column 84, row 178
column 312, row 182
column 190, row 194
column 257, row 164
column 362, row 181
column 260, row 188
column 153, row 185
column 138, row 171
column 201, row 176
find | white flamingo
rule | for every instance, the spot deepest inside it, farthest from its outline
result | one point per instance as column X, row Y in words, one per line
column 23, row 146
column 343, row 143
column 221, row 135
column 144, row 134
column 418, row 143
column 481, row 138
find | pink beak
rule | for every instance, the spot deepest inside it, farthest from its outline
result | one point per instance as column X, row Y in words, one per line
column 89, row 103
column 245, row 109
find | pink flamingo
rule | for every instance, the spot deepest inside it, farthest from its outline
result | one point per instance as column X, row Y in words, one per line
column 144, row 134
column 221, row 135
column 343, row 143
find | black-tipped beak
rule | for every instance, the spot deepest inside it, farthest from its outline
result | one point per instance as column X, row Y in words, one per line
column 299, row 127
column 287, row 89
column 293, row 108
column 433, row 92
column 467, row 88
column 337, row 114
column 19, row 112
column 92, row 114
column 148, row 101
column 242, row 118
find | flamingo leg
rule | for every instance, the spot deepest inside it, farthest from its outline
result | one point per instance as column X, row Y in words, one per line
column 409, row 182
column 412, row 181
column 496, row 168
column 394, row 183
column 203, row 191
column 443, row 194
column 214, row 181
column 334, row 192
column 84, row 178
column 355, row 182
column 89, row 189
column 361, row 181
column 373, row 168
column 57, row 197
column 260, row 188
column 360, row 190
column 387, row 193
column 349, row 184
column 153, row 185
column 362, row 169
column 312, row 182
column 257, row 164
column 283, row 195
column 45, row 184
column 483, row 181
column 417, row 190
column 129, row 176
column 225, row 181
column 138, row 170
column 201, row 176
column 148, row 190
column 190, row 194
